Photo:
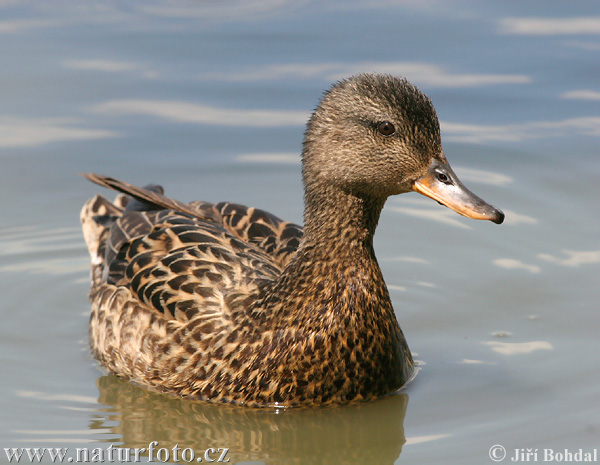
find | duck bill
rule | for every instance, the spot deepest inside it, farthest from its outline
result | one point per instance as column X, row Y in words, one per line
column 441, row 184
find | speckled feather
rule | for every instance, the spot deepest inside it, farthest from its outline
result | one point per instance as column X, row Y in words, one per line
column 183, row 308
column 225, row 303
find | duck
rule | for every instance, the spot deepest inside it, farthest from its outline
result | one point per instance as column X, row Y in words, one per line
column 224, row 303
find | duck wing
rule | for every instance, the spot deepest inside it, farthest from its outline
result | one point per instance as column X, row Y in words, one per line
column 182, row 260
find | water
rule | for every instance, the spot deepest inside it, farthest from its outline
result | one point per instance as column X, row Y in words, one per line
column 503, row 318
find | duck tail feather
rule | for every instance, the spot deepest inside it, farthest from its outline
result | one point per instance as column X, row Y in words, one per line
column 151, row 197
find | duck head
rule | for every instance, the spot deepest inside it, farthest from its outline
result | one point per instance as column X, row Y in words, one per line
column 377, row 135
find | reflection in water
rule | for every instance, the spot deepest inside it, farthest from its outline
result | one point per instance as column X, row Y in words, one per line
column 33, row 132
column 428, row 74
column 356, row 434
column 513, row 218
column 574, row 258
column 549, row 26
column 581, row 95
column 490, row 178
column 51, row 251
column 434, row 213
column 194, row 113
column 270, row 158
column 486, row 133
column 514, row 264
column 111, row 66
column 518, row 348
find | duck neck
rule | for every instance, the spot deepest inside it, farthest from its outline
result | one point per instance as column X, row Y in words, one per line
column 334, row 276
column 332, row 307
column 339, row 224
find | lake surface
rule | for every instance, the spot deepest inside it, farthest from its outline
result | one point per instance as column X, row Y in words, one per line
column 210, row 99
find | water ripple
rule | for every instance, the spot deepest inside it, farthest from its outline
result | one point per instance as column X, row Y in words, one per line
column 518, row 348
column 23, row 132
column 422, row 73
column 574, row 258
column 195, row 113
column 50, row 251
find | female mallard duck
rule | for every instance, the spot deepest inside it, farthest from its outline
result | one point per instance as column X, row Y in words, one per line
column 226, row 303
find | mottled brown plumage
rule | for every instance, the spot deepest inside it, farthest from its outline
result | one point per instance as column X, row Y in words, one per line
column 226, row 303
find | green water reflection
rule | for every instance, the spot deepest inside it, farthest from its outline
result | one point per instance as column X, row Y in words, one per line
column 371, row 433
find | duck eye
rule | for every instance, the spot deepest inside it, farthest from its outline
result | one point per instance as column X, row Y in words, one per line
column 442, row 177
column 386, row 128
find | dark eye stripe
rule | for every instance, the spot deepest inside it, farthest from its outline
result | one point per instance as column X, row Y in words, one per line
column 386, row 128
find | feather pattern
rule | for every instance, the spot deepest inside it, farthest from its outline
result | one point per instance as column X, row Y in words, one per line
column 227, row 303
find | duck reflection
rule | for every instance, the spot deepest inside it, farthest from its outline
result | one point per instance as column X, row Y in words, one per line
column 354, row 434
